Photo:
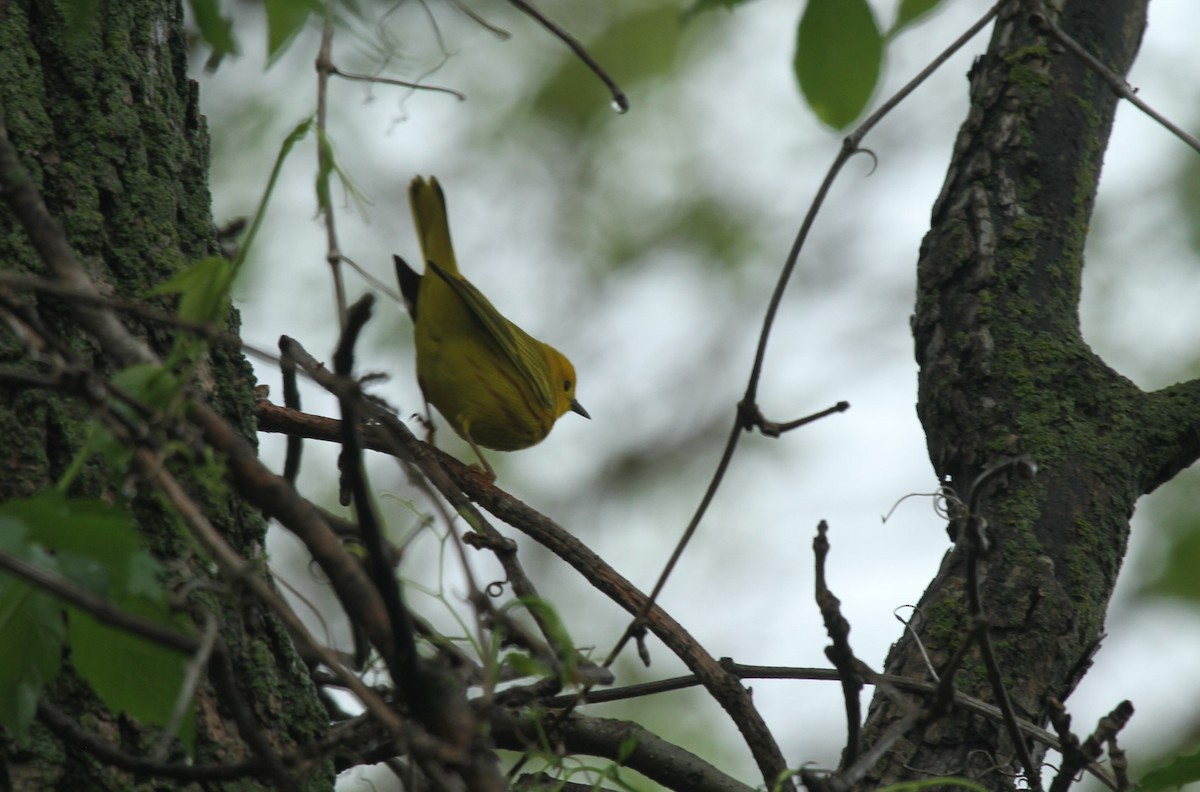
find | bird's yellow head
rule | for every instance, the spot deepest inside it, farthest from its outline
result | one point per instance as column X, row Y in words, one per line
column 562, row 379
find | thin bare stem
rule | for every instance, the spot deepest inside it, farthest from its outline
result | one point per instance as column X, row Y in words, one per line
column 1116, row 82
column 416, row 86
column 325, row 168
column 840, row 653
column 620, row 100
column 470, row 14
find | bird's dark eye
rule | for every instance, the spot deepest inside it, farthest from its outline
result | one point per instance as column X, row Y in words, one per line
column 566, row 386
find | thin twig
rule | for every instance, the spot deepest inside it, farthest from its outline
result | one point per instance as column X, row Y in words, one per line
column 49, row 240
column 772, row 429
column 71, row 733
column 744, row 671
column 291, row 398
column 232, row 697
column 325, row 168
column 470, row 14
column 192, row 676
column 1077, row 756
column 142, row 310
column 840, row 653
column 620, row 100
column 96, row 606
column 237, row 568
column 401, row 656
column 1116, row 82
column 416, row 86
column 387, row 434
column 629, row 743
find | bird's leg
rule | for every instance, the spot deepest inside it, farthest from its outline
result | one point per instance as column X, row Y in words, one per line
column 486, row 471
column 426, row 421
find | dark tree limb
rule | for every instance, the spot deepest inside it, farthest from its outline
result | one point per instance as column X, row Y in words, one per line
column 634, row 746
column 1004, row 371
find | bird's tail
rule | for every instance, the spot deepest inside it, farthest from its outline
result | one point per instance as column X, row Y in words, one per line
column 433, row 227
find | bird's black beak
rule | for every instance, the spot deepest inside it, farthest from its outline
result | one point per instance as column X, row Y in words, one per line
column 578, row 408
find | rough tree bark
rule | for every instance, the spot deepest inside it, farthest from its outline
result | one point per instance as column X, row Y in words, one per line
column 1004, row 371
column 105, row 120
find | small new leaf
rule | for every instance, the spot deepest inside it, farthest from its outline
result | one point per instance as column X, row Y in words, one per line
column 294, row 137
column 203, row 289
column 285, row 18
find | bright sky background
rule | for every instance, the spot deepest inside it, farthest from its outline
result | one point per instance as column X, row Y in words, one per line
column 666, row 346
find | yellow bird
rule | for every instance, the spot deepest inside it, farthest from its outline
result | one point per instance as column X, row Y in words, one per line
column 496, row 385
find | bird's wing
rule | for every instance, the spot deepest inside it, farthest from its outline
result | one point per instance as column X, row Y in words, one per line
column 521, row 349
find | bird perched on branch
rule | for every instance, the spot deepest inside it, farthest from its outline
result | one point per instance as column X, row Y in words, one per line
column 496, row 385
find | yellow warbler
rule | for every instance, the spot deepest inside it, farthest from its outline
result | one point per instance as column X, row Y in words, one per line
column 496, row 385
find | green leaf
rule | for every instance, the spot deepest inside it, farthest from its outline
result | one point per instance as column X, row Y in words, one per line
column 131, row 674
column 1184, row 769
column 153, row 385
column 524, row 665
column 94, row 542
column 839, row 53
column 31, row 640
column 216, row 30
column 556, row 631
column 909, row 12
column 96, row 546
column 285, row 18
column 54, row 519
column 1177, row 578
column 203, row 288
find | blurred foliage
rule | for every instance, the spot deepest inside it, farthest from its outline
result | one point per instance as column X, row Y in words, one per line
column 1182, row 770
column 1175, row 518
column 910, row 12
column 216, row 30
column 701, row 6
column 637, row 46
column 1188, row 187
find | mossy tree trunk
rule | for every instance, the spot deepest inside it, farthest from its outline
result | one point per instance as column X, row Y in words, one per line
column 105, row 119
column 1005, row 372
